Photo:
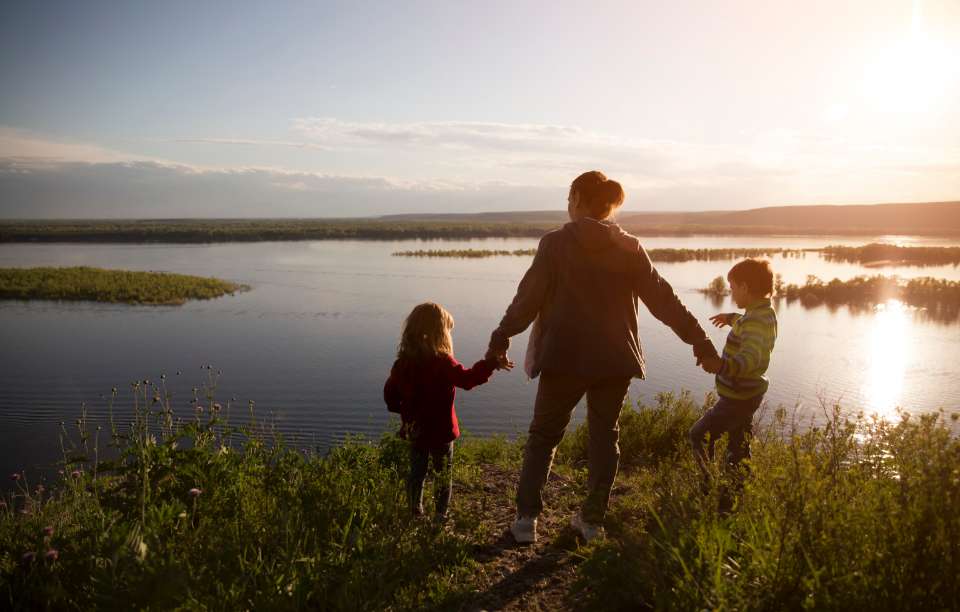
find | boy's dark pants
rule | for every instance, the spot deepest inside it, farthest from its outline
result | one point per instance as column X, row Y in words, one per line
column 442, row 459
column 732, row 416
column 557, row 396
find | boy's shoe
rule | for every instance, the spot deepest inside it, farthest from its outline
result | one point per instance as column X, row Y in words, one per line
column 524, row 529
column 587, row 531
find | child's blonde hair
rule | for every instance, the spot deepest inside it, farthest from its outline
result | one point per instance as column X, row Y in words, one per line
column 426, row 333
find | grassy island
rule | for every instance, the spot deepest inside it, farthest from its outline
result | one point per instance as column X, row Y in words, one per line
column 466, row 253
column 855, row 513
column 99, row 285
column 658, row 255
column 939, row 298
column 875, row 254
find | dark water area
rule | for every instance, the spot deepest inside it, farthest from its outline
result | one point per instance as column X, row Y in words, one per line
column 314, row 339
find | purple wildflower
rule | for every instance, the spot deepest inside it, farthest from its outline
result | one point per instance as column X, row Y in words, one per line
column 28, row 557
column 52, row 555
column 195, row 492
column 15, row 476
column 75, row 473
column 48, row 530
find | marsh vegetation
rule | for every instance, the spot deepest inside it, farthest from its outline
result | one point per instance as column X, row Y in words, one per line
column 876, row 254
column 659, row 255
column 99, row 285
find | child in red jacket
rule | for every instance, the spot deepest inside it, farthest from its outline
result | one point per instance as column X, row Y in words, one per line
column 421, row 388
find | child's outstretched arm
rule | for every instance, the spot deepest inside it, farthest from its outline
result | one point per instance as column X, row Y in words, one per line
column 468, row 378
column 725, row 318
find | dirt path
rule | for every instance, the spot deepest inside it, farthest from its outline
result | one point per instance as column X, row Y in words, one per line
column 532, row 577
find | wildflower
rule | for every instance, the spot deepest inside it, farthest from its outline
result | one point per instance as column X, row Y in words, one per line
column 28, row 557
column 75, row 473
column 195, row 492
column 216, row 407
column 48, row 531
column 52, row 554
column 15, row 477
column 182, row 515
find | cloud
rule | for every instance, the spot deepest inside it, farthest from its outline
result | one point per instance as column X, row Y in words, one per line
column 479, row 167
column 250, row 142
column 146, row 189
column 21, row 144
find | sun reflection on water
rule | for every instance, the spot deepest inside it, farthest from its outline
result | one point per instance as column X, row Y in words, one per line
column 889, row 351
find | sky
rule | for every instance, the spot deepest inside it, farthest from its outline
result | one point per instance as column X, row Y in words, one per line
column 329, row 109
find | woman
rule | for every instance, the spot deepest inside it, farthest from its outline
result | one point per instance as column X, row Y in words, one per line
column 583, row 290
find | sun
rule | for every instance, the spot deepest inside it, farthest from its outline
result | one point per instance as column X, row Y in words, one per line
column 913, row 74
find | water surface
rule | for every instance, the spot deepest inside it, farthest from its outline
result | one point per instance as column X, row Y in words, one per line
column 314, row 339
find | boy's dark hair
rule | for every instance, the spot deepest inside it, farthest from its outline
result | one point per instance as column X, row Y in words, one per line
column 756, row 273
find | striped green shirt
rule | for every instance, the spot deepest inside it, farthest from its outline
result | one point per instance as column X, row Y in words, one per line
column 746, row 354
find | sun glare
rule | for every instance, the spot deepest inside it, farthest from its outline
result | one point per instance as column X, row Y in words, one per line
column 889, row 351
column 913, row 74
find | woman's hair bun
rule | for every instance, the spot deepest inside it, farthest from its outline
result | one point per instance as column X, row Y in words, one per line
column 598, row 194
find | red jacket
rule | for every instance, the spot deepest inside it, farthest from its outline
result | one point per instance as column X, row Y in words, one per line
column 422, row 394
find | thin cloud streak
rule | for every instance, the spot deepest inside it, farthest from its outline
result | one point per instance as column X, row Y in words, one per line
column 251, row 142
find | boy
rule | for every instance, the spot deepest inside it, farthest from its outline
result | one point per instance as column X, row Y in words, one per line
column 740, row 378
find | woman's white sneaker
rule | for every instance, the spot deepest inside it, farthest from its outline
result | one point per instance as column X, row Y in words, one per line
column 587, row 531
column 524, row 530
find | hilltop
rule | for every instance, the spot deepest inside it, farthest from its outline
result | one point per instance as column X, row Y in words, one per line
column 927, row 219
column 923, row 218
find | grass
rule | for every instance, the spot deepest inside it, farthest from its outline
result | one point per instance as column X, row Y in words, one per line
column 190, row 512
column 99, row 285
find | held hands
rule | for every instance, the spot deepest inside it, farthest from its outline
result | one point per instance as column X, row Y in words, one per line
column 721, row 319
column 707, row 356
column 503, row 362
column 711, row 364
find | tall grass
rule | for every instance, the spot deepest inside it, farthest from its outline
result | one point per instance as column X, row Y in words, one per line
column 178, row 509
column 855, row 514
column 194, row 513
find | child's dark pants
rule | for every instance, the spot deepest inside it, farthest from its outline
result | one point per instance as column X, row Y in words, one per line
column 442, row 459
column 734, row 417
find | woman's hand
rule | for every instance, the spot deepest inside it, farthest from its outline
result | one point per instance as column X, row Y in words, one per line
column 711, row 365
column 503, row 362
